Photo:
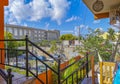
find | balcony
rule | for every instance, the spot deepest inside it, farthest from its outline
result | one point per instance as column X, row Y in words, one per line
column 60, row 72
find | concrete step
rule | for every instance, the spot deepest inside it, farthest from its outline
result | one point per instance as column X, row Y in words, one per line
column 19, row 79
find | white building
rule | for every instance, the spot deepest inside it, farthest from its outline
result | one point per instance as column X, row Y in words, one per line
column 34, row 34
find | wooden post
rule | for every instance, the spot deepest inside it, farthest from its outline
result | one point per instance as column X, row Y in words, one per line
column 2, row 4
column 101, row 72
column 92, row 66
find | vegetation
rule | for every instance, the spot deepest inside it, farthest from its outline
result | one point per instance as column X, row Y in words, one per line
column 53, row 47
column 13, row 44
column 44, row 43
column 70, row 70
column 94, row 42
column 68, row 37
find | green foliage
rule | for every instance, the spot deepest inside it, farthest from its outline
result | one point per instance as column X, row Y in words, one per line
column 53, row 47
column 12, row 44
column 54, row 75
column 44, row 43
column 68, row 37
column 94, row 42
column 70, row 70
column 111, row 34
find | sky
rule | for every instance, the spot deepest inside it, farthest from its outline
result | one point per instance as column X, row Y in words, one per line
column 63, row 15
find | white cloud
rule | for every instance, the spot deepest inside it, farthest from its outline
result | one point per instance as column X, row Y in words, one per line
column 73, row 18
column 59, row 8
column 37, row 10
column 25, row 24
column 80, row 29
column 47, row 25
column 96, row 21
column 67, row 31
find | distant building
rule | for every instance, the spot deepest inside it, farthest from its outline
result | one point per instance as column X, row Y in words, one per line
column 72, row 43
column 34, row 34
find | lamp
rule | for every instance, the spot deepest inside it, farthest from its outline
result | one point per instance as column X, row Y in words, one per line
column 98, row 6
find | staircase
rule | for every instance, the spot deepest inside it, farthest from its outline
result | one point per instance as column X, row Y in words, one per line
column 12, row 54
column 18, row 79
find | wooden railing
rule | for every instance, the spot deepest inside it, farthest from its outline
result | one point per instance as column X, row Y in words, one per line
column 106, row 72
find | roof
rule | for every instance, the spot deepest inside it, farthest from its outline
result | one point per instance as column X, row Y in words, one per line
column 106, row 4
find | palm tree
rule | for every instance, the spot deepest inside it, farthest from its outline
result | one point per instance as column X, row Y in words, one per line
column 111, row 37
column 111, row 34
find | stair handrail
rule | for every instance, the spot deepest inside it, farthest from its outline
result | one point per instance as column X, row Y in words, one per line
column 42, row 50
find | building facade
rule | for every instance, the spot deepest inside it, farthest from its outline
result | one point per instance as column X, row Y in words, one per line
column 34, row 34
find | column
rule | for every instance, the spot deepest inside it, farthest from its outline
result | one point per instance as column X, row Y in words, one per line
column 2, row 4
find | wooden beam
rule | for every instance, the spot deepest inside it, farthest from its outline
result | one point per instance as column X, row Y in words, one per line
column 2, row 4
column 101, row 15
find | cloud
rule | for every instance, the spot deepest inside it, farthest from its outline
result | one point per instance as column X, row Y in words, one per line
column 59, row 8
column 37, row 10
column 81, row 29
column 47, row 25
column 73, row 18
column 67, row 31
column 96, row 21
column 116, row 26
column 25, row 24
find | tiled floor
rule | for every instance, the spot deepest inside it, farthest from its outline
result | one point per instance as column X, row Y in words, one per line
column 18, row 79
column 89, row 81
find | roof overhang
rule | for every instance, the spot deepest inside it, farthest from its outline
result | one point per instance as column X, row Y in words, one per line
column 107, row 5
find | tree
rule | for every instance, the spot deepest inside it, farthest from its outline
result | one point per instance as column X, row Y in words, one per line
column 111, row 34
column 115, row 49
column 10, row 44
column 44, row 43
column 94, row 42
column 53, row 47
column 68, row 37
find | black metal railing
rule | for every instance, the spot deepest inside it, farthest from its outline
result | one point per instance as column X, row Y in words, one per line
column 7, row 76
column 79, row 73
column 13, row 58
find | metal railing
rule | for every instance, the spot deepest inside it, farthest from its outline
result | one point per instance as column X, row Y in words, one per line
column 79, row 73
column 13, row 59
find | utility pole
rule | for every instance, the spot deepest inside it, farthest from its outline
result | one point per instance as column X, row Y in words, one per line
column 79, row 34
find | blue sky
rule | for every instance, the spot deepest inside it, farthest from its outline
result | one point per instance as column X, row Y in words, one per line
column 63, row 15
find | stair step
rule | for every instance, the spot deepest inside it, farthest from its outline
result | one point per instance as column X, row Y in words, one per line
column 19, row 79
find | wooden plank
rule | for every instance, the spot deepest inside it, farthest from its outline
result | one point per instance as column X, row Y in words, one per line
column 101, row 15
column 101, row 72
column 93, row 72
column 109, row 63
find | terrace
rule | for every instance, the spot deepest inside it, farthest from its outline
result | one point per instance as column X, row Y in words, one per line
column 79, row 70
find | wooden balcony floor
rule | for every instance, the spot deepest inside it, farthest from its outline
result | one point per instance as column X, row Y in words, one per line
column 89, row 80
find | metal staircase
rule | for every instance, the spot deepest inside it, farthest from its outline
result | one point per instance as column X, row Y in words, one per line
column 12, row 60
